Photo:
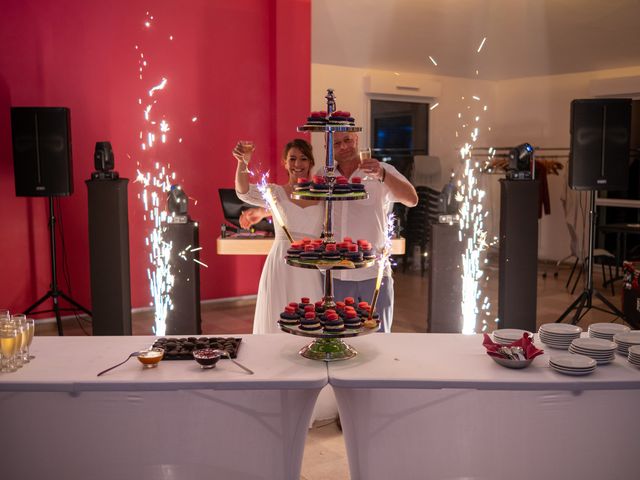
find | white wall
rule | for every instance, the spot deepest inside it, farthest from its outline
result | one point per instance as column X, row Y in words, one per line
column 537, row 110
column 534, row 110
column 444, row 122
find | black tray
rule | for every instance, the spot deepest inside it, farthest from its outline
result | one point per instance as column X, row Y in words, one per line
column 181, row 348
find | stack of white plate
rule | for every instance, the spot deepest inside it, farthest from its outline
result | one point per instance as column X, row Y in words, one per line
column 572, row 364
column 634, row 355
column 558, row 335
column 606, row 330
column 505, row 336
column 626, row 340
column 601, row 350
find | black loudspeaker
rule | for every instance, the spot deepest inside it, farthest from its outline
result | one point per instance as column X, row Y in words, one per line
column 518, row 258
column 600, row 135
column 445, row 288
column 42, row 151
column 184, row 317
column 109, row 256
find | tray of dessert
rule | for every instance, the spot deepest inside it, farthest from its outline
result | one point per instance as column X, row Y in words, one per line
column 338, row 121
column 346, row 319
column 315, row 253
column 181, row 348
column 325, row 188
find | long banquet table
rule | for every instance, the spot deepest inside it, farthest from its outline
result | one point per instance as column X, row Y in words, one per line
column 435, row 406
column 177, row 421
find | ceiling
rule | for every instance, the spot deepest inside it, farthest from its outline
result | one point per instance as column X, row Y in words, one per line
column 524, row 38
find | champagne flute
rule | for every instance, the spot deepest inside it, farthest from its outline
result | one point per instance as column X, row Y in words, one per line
column 19, row 323
column 365, row 154
column 7, row 347
column 31, row 328
column 247, row 147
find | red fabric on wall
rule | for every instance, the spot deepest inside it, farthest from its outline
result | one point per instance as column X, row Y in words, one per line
column 242, row 68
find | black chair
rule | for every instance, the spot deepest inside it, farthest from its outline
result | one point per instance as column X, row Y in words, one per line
column 417, row 231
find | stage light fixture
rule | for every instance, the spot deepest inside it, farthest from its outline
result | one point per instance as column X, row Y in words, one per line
column 177, row 202
column 103, row 162
column 520, row 162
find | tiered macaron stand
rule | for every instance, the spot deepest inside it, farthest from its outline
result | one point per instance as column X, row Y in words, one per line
column 328, row 346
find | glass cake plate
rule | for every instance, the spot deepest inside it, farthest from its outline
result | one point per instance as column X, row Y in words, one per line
column 305, row 195
column 322, row 264
column 327, row 346
column 329, row 128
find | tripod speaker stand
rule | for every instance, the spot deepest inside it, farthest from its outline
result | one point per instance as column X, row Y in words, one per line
column 584, row 302
column 54, row 292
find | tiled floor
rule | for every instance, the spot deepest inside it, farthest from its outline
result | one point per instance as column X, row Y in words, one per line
column 325, row 455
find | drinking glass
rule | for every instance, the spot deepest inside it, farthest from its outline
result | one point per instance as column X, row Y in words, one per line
column 7, row 347
column 365, row 154
column 19, row 324
column 31, row 328
column 20, row 321
column 247, row 148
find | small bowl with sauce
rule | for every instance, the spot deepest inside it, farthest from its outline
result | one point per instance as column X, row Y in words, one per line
column 151, row 357
column 208, row 357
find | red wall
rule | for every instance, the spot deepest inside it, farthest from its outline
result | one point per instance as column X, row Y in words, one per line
column 242, row 67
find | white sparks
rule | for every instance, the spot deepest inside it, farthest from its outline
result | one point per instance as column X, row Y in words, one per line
column 475, row 97
column 482, row 44
column 265, row 191
column 194, row 119
column 433, row 60
column 155, row 184
column 160, row 86
column 432, row 107
column 200, row 263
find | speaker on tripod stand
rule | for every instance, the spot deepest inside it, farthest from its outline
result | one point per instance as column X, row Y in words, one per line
column 598, row 160
column 41, row 139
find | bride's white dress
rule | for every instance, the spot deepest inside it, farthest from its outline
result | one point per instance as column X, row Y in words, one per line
column 281, row 283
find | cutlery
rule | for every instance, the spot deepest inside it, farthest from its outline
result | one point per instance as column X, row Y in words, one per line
column 134, row 354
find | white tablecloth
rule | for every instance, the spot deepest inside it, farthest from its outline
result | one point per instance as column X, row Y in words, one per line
column 435, row 406
column 176, row 421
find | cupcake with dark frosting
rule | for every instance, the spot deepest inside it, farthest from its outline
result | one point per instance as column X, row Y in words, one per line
column 310, row 322
column 341, row 185
column 309, row 253
column 356, row 184
column 319, row 185
column 295, row 249
column 354, row 254
column 352, row 320
column 333, row 323
column 302, row 185
column 289, row 317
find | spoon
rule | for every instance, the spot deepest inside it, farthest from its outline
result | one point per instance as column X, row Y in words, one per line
column 134, row 354
column 518, row 352
column 228, row 355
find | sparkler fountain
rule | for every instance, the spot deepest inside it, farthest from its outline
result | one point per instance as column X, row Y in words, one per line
column 156, row 183
column 472, row 231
